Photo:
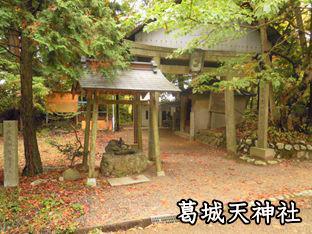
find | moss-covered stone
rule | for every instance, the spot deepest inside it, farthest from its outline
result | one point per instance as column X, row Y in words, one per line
column 71, row 174
column 122, row 165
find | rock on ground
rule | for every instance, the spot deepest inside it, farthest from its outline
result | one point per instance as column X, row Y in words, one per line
column 71, row 174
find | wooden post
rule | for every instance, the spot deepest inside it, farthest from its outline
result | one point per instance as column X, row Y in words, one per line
column 10, row 130
column 91, row 176
column 182, row 114
column 107, row 119
column 135, row 121
column 154, row 102
column 261, row 150
column 230, row 119
column 173, row 120
column 155, row 133
column 192, row 126
column 87, row 131
column 117, row 115
column 209, row 124
column 151, row 152
column 1, row 129
column 139, row 123
column 113, row 116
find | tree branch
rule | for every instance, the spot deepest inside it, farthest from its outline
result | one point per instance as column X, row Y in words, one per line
column 293, row 63
column 38, row 7
column 9, row 51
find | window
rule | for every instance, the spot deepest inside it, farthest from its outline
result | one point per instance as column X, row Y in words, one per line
column 146, row 114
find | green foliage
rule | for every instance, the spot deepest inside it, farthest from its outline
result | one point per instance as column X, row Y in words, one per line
column 9, row 89
column 78, row 207
column 49, row 203
column 61, row 32
column 10, row 92
column 221, row 19
column 240, row 68
column 218, row 21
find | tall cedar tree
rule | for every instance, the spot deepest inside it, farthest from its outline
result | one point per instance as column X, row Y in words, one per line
column 48, row 38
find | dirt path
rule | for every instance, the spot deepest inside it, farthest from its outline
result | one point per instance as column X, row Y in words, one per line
column 197, row 171
column 193, row 170
column 200, row 227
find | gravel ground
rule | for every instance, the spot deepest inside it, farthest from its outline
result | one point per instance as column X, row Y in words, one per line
column 200, row 227
column 193, row 170
column 200, row 172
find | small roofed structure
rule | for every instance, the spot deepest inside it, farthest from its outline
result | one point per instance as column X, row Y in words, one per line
column 141, row 78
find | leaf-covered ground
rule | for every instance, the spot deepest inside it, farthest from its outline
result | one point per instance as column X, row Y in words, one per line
column 193, row 170
column 237, row 227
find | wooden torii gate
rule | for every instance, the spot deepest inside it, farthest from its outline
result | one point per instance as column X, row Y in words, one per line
column 140, row 79
column 160, row 44
column 200, row 61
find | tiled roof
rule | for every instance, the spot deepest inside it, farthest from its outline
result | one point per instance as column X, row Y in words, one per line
column 141, row 77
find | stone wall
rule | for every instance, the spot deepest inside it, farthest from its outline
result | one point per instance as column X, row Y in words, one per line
column 211, row 138
column 300, row 149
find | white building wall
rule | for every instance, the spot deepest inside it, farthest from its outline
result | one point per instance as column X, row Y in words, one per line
column 250, row 42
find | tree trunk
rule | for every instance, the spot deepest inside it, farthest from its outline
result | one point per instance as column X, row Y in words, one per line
column 310, row 105
column 33, row 161
column 300, row 26
column 272, row 104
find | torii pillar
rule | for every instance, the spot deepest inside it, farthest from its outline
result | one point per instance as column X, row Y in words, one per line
column 91, row 181
column 262, row 150
column 154, row 144
column 229, row 101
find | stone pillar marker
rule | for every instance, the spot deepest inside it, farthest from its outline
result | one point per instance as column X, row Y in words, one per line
column 10, row 131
